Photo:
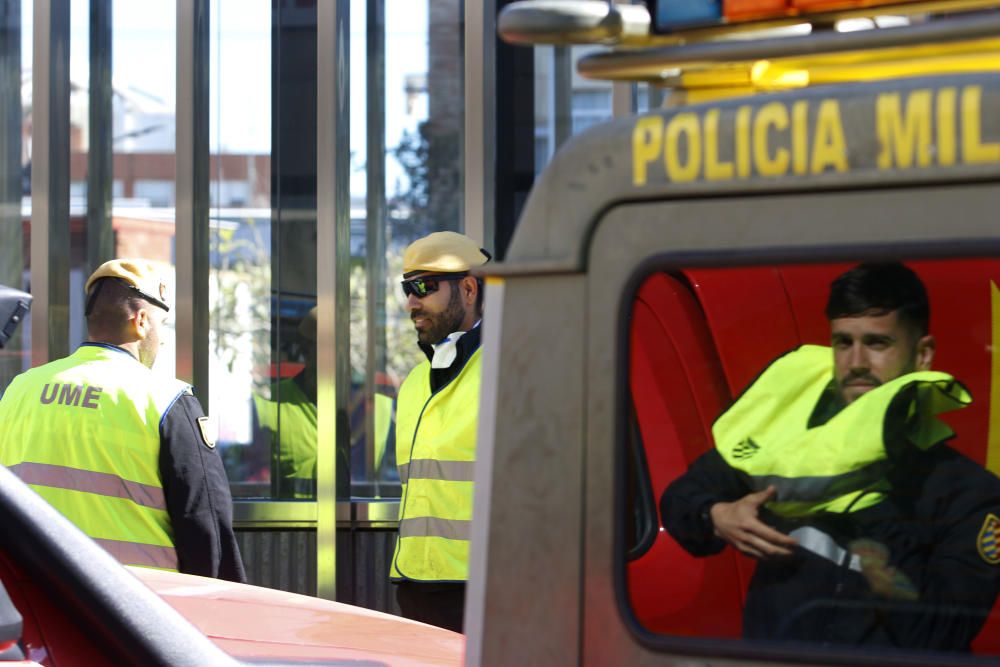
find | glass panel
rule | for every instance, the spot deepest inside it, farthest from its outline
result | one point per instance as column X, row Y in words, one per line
column 79, row 121
column 885, row 480
column 545, row 115
column 15, row 165
column 259, row 361
column 422, row 119
column 367, row 209
column 264, row 229
column 565, row 102
column 648, row 97
column 143, row 65
column 263, row 334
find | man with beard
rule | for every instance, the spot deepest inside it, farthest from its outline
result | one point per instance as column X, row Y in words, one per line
column 831, row 471
column 121, row 451
column 436, row 417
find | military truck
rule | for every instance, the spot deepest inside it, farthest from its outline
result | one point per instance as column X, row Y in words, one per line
column 664, row 258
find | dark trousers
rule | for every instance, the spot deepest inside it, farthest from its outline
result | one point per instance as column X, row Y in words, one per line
column 437, row 604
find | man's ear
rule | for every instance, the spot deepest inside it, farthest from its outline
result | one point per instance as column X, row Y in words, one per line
column 470, row 289
column 926, row 346
column 140, row 323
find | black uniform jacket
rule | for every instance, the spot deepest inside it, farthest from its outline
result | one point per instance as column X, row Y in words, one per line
column 197, row 493
column 930, row 523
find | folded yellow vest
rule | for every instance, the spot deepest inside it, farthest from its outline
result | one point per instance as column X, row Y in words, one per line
column 838, row 466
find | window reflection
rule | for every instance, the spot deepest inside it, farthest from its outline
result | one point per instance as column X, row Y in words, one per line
column 864, row 452
column 143, row 144
column 263, row 281
column 285, row 420
column 565, row 103
column 15, row 182
column 249, row 317
column 421, row 108
column 142, row 135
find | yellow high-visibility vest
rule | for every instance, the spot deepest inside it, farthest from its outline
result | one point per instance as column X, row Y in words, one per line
column 84, row 433
column 840, row 465
column 436, row 453
column 289, row 416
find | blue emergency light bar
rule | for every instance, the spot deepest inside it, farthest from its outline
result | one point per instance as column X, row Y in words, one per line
column 671, row 15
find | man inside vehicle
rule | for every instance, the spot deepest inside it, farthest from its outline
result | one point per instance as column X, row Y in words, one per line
column 831, row 471
column 123, row 452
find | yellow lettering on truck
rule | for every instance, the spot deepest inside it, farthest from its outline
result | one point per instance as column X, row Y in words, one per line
column 830, row 147
column 904, row 137
column 683, row 125
column 770, row 115
column 647, row 142
column 974, row 149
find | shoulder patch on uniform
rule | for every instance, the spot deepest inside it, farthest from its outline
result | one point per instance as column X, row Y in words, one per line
column 988, row 542
column 203, row 427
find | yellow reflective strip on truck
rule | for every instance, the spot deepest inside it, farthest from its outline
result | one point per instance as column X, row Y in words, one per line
column 993, row 441
column 738, row 79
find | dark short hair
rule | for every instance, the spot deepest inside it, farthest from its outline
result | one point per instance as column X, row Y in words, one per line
column 879, row 289
column 111, row 302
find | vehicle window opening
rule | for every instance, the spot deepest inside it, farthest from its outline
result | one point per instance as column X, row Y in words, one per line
column 900, row 552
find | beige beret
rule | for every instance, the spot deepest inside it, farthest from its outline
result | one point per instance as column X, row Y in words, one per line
column 443, row 252
column 142, row 275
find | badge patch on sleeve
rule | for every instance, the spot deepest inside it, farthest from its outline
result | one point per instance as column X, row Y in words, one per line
column 208, row 440
column 989, row 540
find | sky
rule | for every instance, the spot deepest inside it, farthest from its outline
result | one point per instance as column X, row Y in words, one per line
column 144, row 63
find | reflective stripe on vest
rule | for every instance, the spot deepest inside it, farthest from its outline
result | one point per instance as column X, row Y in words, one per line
column 97, row 483
column 435, row 452
column 456, row 471
column 838, row 466
column 815, row 540
column 426, row 526
column 84, row 432
column 146, row 555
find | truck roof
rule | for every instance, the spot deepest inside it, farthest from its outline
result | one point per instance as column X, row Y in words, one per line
column 891, row 107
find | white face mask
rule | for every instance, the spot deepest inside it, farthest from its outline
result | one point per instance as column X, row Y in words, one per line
column 446, row 351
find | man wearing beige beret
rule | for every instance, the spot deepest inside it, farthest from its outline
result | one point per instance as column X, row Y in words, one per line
column 124, row 453
column 436, row 417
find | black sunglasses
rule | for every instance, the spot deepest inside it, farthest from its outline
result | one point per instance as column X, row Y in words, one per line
column 421, row 286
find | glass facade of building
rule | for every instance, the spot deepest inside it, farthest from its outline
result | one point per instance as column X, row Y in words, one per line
column 275, row 157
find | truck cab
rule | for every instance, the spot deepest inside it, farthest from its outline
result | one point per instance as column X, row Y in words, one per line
column 665, row 258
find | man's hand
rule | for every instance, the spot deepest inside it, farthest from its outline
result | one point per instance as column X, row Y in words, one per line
column 737, row 524
column 883, row 578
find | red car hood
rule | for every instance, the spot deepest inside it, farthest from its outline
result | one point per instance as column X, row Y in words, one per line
column 253, row 622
